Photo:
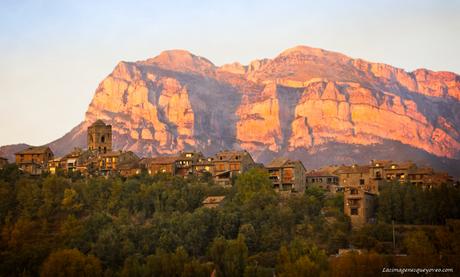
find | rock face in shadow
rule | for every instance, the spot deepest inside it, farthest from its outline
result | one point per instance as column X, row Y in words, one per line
column 303, row 99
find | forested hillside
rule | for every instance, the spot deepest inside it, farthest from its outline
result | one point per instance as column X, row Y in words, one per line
column 157, row 226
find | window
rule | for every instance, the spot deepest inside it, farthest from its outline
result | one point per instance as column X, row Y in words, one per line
column 353, row 191
column 102, row 139
column 361, row 182
column 354, row 211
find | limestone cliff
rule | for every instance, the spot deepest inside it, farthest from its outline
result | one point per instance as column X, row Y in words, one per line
column 303, row 99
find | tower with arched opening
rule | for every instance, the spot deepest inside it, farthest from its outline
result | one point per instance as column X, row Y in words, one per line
column 100, row 137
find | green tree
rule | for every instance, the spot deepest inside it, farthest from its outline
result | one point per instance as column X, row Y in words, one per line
column 229, row 256
column 69, row 263
column 418, row 243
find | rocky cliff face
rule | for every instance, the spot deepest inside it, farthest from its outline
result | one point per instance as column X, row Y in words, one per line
column 303, row 99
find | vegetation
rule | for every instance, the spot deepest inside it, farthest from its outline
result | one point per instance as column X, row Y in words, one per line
column 156, row 226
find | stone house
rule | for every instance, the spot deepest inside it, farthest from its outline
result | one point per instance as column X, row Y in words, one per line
column 109, row 162
column 323, row 179
column 287, row 175
column 34, row 160
column 359, row 205
column 204, row 166
column 162, row 164
column 228, row 164
column 185, row 163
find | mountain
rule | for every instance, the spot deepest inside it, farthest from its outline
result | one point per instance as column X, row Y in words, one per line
column 320, row 106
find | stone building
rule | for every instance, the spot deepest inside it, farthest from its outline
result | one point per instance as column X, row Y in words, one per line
column 360, row 188
column 99, row 137
column 408, row 172
column 399, row 171
column 427, row 178
column 3, row 162
column 185, row 163
column 358, row 176
column 54, row 165
column 204, row 166
column 109, row 162
column 287, row 175
column 359, row 205
column 162, row 164
column 228, row 164
column 34, row 160
column 128, row 168
column 324, row 179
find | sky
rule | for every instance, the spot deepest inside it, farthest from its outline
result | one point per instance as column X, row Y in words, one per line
column 53, row 54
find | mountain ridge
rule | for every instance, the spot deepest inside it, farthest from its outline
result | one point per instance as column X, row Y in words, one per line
column 304, row 98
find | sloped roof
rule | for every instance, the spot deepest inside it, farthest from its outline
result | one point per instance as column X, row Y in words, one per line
column 278, row 162
column 320, row 173
column 161, row 160
column 283, row 162
column 213, row 199
column 402, row 165
column 380, row 163
column 353, row 169
column 424, row 170
column 231, row 155
column 35, row 150
column 112, row 154
column 98, row 122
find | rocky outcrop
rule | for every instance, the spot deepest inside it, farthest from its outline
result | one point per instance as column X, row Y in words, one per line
column 303, row 99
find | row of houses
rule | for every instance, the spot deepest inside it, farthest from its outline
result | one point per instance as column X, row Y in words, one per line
column 359, row 183
column 99, row 159
column 286, row 175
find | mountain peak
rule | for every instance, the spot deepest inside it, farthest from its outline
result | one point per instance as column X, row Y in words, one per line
column 178, row 59
column 311, row 51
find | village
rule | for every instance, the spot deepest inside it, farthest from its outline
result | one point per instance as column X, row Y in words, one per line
column 358, row 183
